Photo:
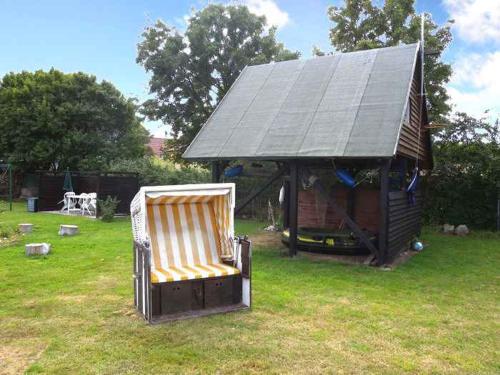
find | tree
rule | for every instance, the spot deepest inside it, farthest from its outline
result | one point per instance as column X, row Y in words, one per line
column 361, row 25
column 462, row 186
column 191, row 72
column 52, row 120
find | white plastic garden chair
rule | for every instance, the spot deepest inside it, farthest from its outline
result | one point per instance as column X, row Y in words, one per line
column 69, row 202
column 84, row 203
column 93, row 202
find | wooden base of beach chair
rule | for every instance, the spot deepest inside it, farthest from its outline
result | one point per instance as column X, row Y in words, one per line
column 190, row 296
column 176, row 300
column 198, row 313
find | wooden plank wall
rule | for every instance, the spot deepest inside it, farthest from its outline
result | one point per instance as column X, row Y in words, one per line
column 50, row 191
column 404, row 222
column 408, row 139
column 123, row 188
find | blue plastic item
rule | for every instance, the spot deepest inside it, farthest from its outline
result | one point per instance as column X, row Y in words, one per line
column 233, row 171
column 345, row 177
column 413, row 183
column 417, row 246
column 412, row 187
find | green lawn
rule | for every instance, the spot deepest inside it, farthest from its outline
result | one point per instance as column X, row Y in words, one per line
column 72, row 312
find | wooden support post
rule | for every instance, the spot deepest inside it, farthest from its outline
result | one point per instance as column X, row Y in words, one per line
column 286, row 203
column 216, row 171
column 351, row 194
column 293, row 208
column 384, row 207
column 10, row 186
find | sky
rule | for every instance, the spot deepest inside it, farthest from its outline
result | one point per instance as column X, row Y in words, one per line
column 100, row 38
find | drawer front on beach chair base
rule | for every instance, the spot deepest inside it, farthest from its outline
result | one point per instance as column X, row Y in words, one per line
column 192, row 295
column 162, row 302
column 222, row 291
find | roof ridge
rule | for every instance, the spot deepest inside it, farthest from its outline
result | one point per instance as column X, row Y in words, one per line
column 335, row 53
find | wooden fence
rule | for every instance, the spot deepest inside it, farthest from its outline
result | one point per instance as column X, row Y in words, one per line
column 123, row 186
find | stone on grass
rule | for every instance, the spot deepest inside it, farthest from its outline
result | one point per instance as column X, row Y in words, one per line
column 68, row 230
column 37, row 248
column 448, row 229
column 25, row 228
column 461, row 230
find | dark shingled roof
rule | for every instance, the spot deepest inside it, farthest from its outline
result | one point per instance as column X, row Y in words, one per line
column 344, row 105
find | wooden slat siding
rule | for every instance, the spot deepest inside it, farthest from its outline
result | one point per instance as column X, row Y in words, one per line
column 149, row 294
column 246, row 262
column 123, row 188
column 384, row 217
column 404, row 221
column 135, row 272
column 140, row 299
column 85, row 184
column 408, row 138
column 50, row 191
column 155, row 300
column 293, row 209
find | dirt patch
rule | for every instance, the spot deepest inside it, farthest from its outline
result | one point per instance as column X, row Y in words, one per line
column 15, row 358
column 359, row 259
column 273, row 240
column 72, row 298
column 267, row 239
column 402, row 258
column 103, row 282
column 344, row 259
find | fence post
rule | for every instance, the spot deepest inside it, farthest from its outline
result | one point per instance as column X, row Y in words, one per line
column 9, row 166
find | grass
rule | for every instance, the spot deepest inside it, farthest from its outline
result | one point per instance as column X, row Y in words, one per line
column 71, row 311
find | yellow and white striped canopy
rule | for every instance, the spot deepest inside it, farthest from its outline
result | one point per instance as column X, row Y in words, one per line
column 189, row 234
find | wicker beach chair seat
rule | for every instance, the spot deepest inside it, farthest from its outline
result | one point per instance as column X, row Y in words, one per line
column 188, row 237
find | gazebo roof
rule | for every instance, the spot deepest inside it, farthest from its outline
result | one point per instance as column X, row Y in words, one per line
column 347, row 105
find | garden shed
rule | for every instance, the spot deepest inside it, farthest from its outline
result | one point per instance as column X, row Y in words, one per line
column 348, row 133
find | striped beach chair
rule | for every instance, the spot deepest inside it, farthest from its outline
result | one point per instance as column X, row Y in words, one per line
column 187, row 261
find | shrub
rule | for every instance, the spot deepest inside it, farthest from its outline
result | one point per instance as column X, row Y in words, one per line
column 8, row 234
column 462, row 188
column 153, row 171
column 107, row 208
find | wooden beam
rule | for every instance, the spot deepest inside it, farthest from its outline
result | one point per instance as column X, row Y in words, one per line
column 355, row 228
column 259, row 190
column 384, row 207
column 293, row 210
